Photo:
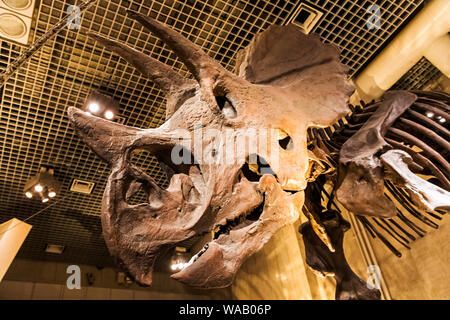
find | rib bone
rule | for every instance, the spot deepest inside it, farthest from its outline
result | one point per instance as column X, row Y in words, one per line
column 424, row 194
column 361, row 187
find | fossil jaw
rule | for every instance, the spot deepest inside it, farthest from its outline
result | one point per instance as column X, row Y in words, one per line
column 287, row 81
column 217, row 263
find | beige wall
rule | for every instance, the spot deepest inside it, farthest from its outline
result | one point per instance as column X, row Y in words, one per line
column 441, row 84
column 30, row 279
column 276, row 272
column 423, row 271
column 24, row 290
column 279, row 270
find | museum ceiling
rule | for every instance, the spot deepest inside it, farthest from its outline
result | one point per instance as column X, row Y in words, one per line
column 34, row 128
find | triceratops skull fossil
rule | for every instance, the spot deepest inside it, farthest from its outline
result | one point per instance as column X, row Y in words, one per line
column 287, row 82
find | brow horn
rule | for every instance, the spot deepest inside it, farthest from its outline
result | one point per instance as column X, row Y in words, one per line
column 196, row 60
column 158, row 72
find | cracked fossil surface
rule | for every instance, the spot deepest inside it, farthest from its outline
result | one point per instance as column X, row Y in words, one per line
column 333, row 264
column 286, row 83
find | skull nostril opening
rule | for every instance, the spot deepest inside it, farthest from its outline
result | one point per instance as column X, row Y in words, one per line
column 255, row 167
column 226, row 107
column 286, row 143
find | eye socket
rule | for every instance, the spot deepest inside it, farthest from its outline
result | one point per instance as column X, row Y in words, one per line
column 285, row 141
column 226, row 107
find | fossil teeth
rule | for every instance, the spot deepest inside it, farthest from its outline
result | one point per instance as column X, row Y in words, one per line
column 254, row 167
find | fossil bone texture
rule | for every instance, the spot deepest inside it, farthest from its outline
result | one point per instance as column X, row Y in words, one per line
column 420, row 192
column 424, row 194
column 333, row 264
column 287, row 82
column 273, row 118
column 361, row 185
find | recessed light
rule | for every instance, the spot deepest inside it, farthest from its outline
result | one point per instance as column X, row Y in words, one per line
column 82, row 186
column 18, row 4
column 94, row 107
column 109, row 115
column 430, row 114
column 101, row 105
column 15, row 19
column 54, row 248
column 305, row 17
column 12, row 26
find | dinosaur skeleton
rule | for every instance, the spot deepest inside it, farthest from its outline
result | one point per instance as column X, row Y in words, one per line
column 288, row 84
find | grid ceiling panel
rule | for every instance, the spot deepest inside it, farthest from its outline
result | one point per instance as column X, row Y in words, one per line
column 34, row 129
column 345, row 25
column 418, row 77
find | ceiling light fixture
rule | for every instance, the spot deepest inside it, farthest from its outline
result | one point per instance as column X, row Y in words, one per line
column 94, row 107
column 54, row 248
column 180, row 259
column 305, row 17
column 42, row 186
column 109, row 115
column 18, row 4
column 100, row 104
column 12, row 25
column 15, row 19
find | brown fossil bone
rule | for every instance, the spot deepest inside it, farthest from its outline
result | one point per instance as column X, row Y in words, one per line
column 288, row 82
column 326, row 263
column 424, row 194
column 228, row 253
column 313, row 210
column 421, row 131
column 361, row 174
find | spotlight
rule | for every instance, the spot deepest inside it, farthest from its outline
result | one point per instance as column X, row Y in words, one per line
column 101, row 105
column 12, row 26
column 15, row 19
column 109, row 115
column 430, row 114
column 180, row 259
column 18, row 4
column 94, row 107
column 442, row 120
column 42, row 186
